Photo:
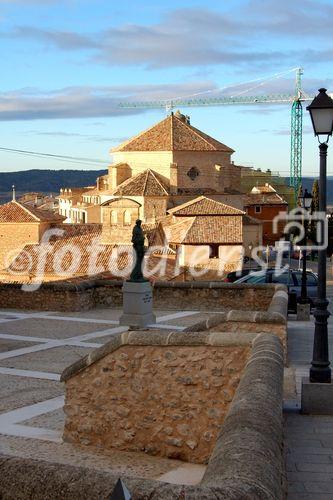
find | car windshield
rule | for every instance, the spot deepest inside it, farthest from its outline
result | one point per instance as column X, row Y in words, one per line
column 258, row 277
column 311, row 279
column 284, row 278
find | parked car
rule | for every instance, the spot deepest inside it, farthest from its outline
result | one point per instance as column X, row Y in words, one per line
column 292, row 279
column 236, row 275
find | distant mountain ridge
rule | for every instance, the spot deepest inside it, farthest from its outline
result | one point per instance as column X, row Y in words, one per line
column 47, row 180
column 50, row 181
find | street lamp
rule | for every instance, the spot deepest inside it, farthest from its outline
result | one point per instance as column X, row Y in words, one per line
column 321, row 112
column 250, row 249
column 304, row 201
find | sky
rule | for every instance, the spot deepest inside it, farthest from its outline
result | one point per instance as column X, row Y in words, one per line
column 67, row 64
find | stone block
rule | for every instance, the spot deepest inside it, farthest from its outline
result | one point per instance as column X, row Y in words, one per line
column 317, row 399
column 303, row 312
column 137, row 304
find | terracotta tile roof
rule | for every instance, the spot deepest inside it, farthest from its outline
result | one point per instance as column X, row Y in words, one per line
column 264, row 199
column 205, row 230
column 14, row 211
column 147, row 183
column 80, row 237
column 114, row 260
column 266, row 188
column 251, row 221
column 174, row 133
column 204, row 206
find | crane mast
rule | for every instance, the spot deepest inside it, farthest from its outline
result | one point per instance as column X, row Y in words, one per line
column 295, row 99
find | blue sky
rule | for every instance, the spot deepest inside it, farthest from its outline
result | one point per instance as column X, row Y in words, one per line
column 66, row 64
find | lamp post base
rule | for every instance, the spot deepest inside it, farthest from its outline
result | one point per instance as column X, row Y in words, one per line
column 303, row 312
column 317, row 399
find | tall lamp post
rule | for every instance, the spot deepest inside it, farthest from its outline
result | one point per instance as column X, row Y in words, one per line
column 305, row 201
column 321, row 112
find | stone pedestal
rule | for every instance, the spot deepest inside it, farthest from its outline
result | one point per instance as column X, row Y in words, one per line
column 317, row 399
column 137, row 304
column 303, row 312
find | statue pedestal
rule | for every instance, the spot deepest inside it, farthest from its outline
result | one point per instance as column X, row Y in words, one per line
column 137, row 304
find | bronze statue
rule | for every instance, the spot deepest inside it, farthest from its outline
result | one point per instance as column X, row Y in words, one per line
column 138, row 240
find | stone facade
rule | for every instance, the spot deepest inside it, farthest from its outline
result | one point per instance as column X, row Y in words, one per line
column 14, row 237
column 168, row 400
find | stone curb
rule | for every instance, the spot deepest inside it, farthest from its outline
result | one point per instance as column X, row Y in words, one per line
column 94, row 283
column 248, row 450
column 277, row 313
column 157, row 338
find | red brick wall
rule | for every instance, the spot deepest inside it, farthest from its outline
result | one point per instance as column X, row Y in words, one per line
column 267, row 215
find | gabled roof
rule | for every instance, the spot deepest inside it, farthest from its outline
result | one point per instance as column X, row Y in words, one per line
column 147, row 183
column 174, row 133
column 266, row 188
column 204, row 206
column 264, row 199
column 204, row 230
column 14, row 211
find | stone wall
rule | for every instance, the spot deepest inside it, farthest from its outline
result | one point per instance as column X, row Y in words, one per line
column 274, row 320
column 165, row 394
column 246, row 463
column 15, row 236
column 83, row 295
column 159, row 161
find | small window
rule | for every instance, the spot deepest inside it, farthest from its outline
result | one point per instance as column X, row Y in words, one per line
column 257, row 209
column 113, row 217
column 127, row 218
column 193, row 173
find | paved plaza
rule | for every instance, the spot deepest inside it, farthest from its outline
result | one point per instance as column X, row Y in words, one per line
column 34, row 349
column 36, row 346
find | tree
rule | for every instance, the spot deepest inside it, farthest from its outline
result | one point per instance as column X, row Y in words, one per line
column 315, row 196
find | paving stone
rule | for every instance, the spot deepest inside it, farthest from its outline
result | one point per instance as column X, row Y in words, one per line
column 51, row 360
column 311, row 450
column 315, row 487
column 312, row 467
column 309, row 496
column 10, row 345
column 50, row 328
column 16, row 392
column 310, row 476
column 296, row 487
column 314, row 459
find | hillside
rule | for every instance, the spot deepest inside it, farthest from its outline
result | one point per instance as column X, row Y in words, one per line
column 47, row 180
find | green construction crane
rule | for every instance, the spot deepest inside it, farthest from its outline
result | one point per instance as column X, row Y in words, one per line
column 296, row 116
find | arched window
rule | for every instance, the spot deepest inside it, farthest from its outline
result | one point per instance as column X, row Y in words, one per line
column 127, row 218
column 113, row 217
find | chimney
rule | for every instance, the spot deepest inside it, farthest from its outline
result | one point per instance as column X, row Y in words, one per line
column 14, row 194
